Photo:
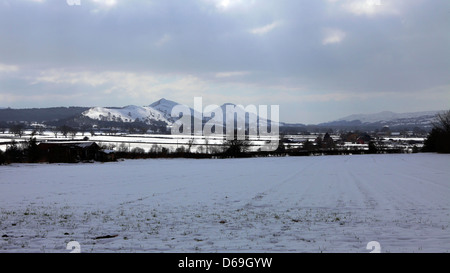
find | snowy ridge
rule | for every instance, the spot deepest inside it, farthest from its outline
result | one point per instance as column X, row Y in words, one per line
column 131, row 113
column 243, row 115
column 423, row 120
column 389, row 116
column 165, row 107
column 161, row 111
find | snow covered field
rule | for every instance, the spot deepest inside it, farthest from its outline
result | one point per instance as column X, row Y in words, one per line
column 289, row 204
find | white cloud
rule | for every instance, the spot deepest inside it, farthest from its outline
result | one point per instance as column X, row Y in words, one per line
column 104, row 5
column 226, row 5
column 231, row 74
column 163, row 40
column 370, row 7
column 87, row 78
column 265, row 29
column 125, row 84
column 4, row 68
column 108, row 3
column 333, row 36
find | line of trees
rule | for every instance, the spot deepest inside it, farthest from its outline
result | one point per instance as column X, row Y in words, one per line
column 24, row 152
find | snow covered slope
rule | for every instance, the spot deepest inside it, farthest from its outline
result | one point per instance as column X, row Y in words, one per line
column 165, row 107
column 161, row 111
column 129, row 113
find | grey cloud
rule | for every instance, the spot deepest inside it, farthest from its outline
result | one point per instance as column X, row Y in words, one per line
column 401, row 52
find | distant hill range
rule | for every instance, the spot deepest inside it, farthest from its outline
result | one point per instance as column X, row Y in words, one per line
column 411, row 120
column 159, row 113
column 40, row 114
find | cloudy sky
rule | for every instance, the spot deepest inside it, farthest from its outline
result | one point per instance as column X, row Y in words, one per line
column 319, row 60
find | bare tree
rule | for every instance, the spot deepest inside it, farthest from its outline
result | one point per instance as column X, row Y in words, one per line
column 84, row 129
column 17, row 129
column 439, row 138
column 55, row 131
column 207, row 144
column 73, row 132
column 123, row 148
column 138, row 150
column 64, row 130
column 235, row 146
column 190, row 143
column 443, row 121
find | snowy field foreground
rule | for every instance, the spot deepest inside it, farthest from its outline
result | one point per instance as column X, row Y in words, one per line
column 290, row 204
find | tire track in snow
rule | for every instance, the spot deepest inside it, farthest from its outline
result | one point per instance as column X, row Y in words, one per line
column 273, row 190
column 398, row 178
column 377, row 187
column 368, row 195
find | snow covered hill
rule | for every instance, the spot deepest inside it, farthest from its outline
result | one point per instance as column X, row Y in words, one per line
column 165, row 107
column 390, row 116
column 161, row 111
column 129, row 113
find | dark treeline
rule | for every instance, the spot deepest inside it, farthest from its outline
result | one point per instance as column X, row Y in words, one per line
column 439, row 138
column 32, row 152
column 85, row 151
column 39, row 114
column 22, row 152
column 85, row 125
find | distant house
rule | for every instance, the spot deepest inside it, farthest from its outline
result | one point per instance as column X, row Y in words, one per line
column 71, row 152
